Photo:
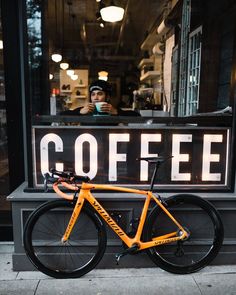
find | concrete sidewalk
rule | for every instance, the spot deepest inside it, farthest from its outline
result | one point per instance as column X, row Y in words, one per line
column 211, row 280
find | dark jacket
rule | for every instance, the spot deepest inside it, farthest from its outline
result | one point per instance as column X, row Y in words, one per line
column 76, row 112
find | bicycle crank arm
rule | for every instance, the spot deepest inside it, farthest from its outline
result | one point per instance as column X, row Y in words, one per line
column 130, row 250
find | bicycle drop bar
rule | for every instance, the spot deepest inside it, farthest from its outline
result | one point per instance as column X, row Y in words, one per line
column 69, row 175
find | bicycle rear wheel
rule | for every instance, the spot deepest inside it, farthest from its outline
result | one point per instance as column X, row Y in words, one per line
column 203, row 223
column 80, row 254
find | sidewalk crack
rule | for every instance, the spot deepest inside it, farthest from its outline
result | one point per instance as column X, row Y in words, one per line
column 36, row 287
column 197, row 285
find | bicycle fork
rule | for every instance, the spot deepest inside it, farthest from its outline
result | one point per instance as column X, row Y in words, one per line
column 73, row 218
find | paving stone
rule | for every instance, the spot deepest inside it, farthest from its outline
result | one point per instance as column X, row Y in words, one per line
column 178, row 285
column 217, row 284
column 18, row 287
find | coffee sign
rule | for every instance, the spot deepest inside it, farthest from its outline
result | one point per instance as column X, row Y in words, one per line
column 108, row 155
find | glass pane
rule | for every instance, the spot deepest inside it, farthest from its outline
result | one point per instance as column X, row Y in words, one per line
column 71, row 35
column 5, row 209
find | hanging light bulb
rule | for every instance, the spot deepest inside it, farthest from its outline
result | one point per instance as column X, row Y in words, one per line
column 50, row 76
column 1, row 44
column 112, row 13
column 64, row 65
column 57, row 57
column 103, row 75
column 70, row 72
column 74, row 77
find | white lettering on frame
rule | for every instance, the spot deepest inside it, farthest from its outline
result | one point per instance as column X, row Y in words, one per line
column 93, row 155
column 44, row 161
column 114, row 157
column 177, row 139
column 145, row 140
column 208, row 157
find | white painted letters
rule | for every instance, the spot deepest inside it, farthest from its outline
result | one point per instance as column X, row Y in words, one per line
column 114, row 157
column 145, row 140
column 93, row 155
column 208, row 157
column 50, row 137
column 178, row 157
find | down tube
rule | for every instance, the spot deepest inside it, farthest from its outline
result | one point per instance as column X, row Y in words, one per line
column 102, row 212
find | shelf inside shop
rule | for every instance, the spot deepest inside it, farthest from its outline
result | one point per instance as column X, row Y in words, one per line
column 146, row 61
column 80, row 96
column 150, row 75
column 80, row 86
column 66, row 91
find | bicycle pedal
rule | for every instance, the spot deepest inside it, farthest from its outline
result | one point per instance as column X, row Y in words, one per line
column 118, row 257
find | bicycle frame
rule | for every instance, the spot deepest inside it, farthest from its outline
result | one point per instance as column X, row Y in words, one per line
column 85, row 194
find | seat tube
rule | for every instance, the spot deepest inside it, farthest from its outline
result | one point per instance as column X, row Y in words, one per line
column 143, row 217
column 153, row 177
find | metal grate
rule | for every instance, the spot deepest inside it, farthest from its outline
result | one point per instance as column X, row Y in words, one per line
column 192, row 99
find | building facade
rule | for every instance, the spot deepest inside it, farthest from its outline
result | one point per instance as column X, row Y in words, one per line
column 178, row 72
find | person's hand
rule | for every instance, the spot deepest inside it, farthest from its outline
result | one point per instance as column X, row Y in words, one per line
column 87, row 109
column 108, row 108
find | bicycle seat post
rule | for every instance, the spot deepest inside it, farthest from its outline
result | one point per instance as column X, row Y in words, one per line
column 154, row 176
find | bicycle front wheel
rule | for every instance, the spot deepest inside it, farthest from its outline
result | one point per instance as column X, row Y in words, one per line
column 81, row 253
column 204, row 226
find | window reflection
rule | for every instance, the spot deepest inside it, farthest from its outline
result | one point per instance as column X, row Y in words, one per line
column 4, row 169
column 152, row 57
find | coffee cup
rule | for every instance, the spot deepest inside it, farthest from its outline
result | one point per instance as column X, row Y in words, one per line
column 98, row 105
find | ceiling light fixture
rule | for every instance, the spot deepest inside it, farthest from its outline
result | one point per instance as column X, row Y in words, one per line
column 74, row 77
column 64, row 65
column 112, row 13
column 57, row 57
column 103, row 75
column 70, row 72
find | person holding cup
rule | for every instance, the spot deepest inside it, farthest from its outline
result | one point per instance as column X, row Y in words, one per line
column 100, row 92
column 99, row 104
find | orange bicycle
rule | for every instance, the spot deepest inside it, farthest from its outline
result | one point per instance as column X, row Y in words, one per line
column 67, row 238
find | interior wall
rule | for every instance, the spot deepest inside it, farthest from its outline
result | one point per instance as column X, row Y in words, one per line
column 167, row 69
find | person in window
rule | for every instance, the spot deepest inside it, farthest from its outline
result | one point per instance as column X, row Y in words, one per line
column 100, row 91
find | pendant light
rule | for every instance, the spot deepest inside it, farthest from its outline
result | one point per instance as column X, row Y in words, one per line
column 74, row 77
column 103, row 75
column 70, row 72
column 112, row 13
column 64, row 65
column 56, row 57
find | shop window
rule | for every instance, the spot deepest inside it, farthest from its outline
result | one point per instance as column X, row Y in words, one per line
column 84, row 43
column 194, row 61
column 5, row 208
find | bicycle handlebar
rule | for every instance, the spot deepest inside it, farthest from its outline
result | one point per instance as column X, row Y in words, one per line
column 67, row 179
column 69, row 175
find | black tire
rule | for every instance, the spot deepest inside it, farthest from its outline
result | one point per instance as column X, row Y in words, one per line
column 80, row 254
column 200, row 219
